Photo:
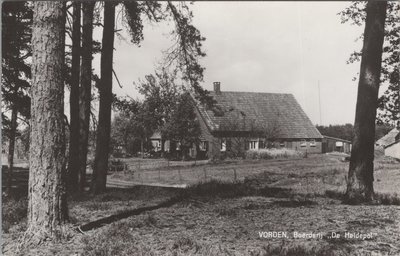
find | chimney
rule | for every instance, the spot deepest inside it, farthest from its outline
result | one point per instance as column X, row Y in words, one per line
column 217, row 87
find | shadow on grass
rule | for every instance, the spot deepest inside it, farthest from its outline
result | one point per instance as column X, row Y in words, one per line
column 379, row 198
column 295, row 203
column 116, row 217
column 224, row 189
column 210, row 189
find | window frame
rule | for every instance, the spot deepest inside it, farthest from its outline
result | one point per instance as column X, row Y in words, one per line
column 251, row 144
column 203, row 146
column 223, row 145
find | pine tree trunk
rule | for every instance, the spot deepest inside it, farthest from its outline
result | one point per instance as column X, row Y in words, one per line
column 11, row 147
column 361, row 171
column 104, row 126
column 73, row 161
column 85, row 89
column 47, row 207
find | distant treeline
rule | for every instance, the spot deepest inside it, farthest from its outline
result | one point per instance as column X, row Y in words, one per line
column 346, row 131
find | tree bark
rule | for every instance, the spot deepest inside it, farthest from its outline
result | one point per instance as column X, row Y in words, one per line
column 11, row 147
column 73, row 161
column 85, row 89
column 361, row 171
column 47, row 207
column 104, row 126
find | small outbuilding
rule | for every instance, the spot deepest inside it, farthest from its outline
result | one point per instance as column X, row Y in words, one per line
column 393, row 150
column 389, row 138
column 391, row 143
column 331, row 144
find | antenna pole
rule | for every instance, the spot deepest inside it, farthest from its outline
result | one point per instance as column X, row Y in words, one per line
column 319, row 101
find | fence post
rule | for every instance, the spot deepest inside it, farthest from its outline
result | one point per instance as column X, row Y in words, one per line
column 180, row 176
column 205, row 173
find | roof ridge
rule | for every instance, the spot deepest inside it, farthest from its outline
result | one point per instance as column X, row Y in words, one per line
column 255, row 92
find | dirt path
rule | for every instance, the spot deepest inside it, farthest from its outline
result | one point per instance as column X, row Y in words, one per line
column 116, row 183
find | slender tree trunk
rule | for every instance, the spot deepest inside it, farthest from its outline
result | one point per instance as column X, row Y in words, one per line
column 73, row 161
column 104, row 125
column 85, row 89
column 11, row 147
column 47, row 207
column 361, row 171
column 142, row 147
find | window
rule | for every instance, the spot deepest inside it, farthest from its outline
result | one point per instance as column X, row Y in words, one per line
column 223, row 145
column 157, row 145
column 261, row 144
column 303, row 143
column 203, row 145
column 339, row 144
column 253, row 144
column 313, row 143
column 282, row 144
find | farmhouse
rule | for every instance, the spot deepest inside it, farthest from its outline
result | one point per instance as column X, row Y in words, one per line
column 246, row 120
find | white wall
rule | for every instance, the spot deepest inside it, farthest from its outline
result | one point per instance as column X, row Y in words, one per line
column 393, row 150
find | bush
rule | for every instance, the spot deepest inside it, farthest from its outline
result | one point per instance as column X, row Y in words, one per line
column 273, row 153
column 116, row 165
column 13, row 212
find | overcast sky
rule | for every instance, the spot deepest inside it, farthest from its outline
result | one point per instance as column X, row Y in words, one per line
column 281, row 47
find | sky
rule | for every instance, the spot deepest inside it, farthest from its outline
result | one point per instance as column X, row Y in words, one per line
column 277, row 47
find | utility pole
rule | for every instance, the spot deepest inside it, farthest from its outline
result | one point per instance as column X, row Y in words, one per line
column 319, row 101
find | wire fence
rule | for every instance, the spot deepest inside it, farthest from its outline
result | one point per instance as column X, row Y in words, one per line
column 160, row 171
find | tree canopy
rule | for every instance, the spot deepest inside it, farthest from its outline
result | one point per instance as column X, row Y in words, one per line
column 16, row 50
column 389, row 102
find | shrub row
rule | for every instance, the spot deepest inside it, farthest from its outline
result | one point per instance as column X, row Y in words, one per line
column 274, row 153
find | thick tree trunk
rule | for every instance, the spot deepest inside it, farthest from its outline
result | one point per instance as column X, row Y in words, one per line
column 361, row 171
column 47, row 207
column 73, row 161
column 104, row 126
column 85, row 89
column 11, row 147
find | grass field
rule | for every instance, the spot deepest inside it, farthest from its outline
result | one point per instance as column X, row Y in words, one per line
column 316, row 173
column 217, row 215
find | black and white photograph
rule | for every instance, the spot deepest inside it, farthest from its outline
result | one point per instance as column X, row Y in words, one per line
column 260, row 128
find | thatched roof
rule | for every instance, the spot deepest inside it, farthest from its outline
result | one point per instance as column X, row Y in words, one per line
column 249, row 112
column 389, row 138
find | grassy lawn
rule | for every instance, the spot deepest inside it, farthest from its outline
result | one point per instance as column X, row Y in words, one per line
column 316, row 173
column 219, row 216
